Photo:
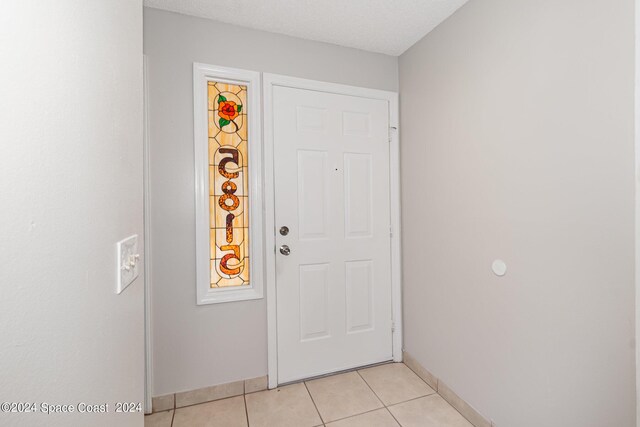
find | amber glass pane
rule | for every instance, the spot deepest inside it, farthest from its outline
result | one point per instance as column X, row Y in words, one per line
column 228, row 185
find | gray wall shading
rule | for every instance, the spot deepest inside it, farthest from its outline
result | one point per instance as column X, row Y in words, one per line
column 70, row 188
column 517, row 122
column 198, row 346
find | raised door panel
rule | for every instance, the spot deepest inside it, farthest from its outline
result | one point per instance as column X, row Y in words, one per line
column 312, row 194
column 314, row 301
column 358, row 189
column 359, row 296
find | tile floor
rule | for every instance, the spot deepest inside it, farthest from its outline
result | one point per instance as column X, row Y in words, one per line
column 388, row 395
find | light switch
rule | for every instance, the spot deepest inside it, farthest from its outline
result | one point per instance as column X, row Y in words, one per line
column 128, row 262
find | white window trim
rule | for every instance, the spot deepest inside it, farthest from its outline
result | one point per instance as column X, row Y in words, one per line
column 202, row 73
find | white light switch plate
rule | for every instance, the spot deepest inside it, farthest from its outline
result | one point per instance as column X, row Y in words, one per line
column 128, row 262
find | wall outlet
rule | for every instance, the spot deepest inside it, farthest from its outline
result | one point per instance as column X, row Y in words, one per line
column 128, row 262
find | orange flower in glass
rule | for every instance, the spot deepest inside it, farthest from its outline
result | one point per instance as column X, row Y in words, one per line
column 227, row 110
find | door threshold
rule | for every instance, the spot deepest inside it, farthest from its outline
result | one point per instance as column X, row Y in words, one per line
column 330, row 374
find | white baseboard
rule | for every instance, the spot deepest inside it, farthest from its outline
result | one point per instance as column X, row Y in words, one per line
column 208, row 394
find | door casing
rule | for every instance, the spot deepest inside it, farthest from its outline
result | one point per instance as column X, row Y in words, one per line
column 269, row 82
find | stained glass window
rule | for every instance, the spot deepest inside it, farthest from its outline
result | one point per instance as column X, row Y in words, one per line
column 228, row 185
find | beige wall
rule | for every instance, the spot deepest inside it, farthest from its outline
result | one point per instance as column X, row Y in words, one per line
column 70, row 188
column 517, row 122
column 198, row 346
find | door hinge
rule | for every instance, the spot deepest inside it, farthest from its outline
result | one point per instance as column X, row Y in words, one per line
column 391, row 129
column 393, row 326
column 390, row 231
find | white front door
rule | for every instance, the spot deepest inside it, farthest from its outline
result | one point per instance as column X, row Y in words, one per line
column 331, row 162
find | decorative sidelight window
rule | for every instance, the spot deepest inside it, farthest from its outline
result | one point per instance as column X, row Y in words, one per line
column 228, row 184
column 228, row 189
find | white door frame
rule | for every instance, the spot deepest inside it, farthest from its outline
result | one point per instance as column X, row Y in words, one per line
column 269, row 82
column 148, row 366
column 637, row 205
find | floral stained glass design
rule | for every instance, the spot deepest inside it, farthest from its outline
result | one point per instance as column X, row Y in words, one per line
column 228, row 185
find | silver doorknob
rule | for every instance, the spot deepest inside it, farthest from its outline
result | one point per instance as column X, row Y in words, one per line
column 284, row 230
column 285, row 250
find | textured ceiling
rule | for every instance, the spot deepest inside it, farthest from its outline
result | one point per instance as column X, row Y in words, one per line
column 386, row 26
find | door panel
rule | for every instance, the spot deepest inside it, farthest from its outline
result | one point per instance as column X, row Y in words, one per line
column 358, row 189
column 359, row 287
column 333, row 290
column 314, row 301
column 313, row 194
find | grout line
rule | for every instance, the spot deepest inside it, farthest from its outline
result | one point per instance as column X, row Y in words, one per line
column 393, row 416
column 246, row 410
column 393, row 404
column 357, row 415
column 415, row 398
column 374, row 393
column 173, row 416
column 314, row 402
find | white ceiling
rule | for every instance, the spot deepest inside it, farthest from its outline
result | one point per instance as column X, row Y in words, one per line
column 386, row 26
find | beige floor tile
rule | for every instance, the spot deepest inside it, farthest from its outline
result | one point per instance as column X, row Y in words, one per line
column 395, row 383
column 221, row 413
column 289, row 406
column 377, row 418
column 429, row 411
column 342, row 396
column 159, row 419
